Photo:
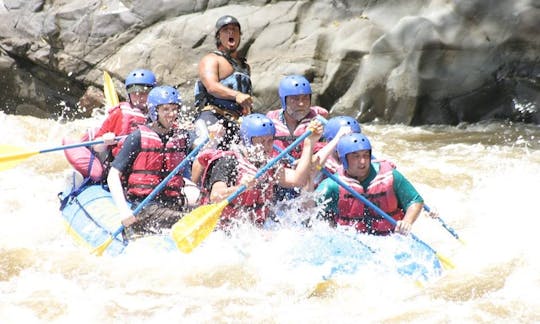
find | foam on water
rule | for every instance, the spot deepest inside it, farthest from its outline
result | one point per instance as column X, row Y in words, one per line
column 482, row 179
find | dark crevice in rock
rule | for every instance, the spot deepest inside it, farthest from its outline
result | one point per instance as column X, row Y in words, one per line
column 199, row 42
column 344, row 77
column 51, row 91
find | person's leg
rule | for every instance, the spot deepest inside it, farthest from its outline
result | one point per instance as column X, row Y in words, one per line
column 154, row 218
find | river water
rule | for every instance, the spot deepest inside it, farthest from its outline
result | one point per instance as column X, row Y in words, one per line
column 482, row 178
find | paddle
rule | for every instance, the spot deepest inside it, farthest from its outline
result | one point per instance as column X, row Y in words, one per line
column 17, row 155
column 327, row 283
column 426, row 207
column 446, row 226
column 193, row 228
column 111, row 97
column 101, row 248
column 445, row 261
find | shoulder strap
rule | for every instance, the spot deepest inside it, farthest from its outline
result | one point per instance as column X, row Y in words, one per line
column 239, row 65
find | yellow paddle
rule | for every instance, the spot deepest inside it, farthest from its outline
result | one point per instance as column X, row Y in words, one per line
column 111, row 97
column 11, row 156
column 193, row 228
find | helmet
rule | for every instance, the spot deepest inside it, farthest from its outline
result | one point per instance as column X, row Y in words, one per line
column 256, row 125
column 292, row 85
column 142, row 77
column 334, row 124
column 351, row 143
column 161, row 96
column 226, row 20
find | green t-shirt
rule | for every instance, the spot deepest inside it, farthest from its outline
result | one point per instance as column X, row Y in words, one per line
column 406, row 194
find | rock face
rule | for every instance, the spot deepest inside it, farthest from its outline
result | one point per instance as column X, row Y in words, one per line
column 413, row 62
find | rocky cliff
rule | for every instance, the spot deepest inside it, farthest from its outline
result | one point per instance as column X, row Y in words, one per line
column 412, row 62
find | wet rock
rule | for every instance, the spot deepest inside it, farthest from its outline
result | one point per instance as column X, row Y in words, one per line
column 413, row 62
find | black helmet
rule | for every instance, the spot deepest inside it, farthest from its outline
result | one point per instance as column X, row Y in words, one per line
column 226, row 20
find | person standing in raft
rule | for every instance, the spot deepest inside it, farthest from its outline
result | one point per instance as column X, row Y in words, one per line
column 378, row 181
column 147, row 156
column 92, row 163
column 223, row 91
column 226, row 171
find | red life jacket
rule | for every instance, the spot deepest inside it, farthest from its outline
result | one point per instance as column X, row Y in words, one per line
column 255, row 202
column 284, row 138
column 353, row 212
column 131, row 118
column 155, row 161
column 205, row 156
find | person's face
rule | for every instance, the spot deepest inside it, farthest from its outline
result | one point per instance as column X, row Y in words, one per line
column 359, row 163
column 138, row 99
column 298, row 106
column 168, row 114
column 229, row 36
column 264, row 143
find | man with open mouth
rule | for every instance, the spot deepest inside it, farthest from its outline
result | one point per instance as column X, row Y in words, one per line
column 223, row 91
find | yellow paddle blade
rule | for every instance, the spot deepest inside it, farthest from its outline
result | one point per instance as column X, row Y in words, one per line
column 11, row 156
column 193, row 228
column 100, row 249
column 323, row 288
column 447, row 264
column 111, row 97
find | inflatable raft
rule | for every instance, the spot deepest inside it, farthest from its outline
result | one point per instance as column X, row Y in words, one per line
column 91, row 217
column 338, row 252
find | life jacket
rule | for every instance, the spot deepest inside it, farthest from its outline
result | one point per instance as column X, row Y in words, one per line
column 332, row 165
column 284, row 138
column 239, row 80
column 353, row 212
column 84, row 160
column 155, row 161
column 254, row 201
column 131, row 118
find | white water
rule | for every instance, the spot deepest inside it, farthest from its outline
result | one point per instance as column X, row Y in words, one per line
column 482, row 178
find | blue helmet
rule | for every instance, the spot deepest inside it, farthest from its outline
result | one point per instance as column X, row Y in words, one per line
column 293, row 85
column 256, row 125
column 161, row 95
column 141, row 77
column 334, row 124
column 351, row 143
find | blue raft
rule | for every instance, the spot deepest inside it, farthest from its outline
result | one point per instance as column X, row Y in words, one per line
column 348, row 252
column 91, row 217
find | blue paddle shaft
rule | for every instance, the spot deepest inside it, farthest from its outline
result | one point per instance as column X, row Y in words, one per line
column 372, row 206
column 271, row 163
column 70, row 146
column 390, row 219
column 164, row 182
column 364, row 200
column 443, row 223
